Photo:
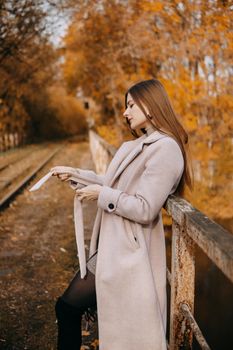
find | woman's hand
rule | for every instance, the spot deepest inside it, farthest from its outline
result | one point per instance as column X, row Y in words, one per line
column 90, row 192
column 63, row 172
column 62, row 177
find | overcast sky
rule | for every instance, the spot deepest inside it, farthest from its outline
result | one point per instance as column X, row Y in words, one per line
column 56, row 23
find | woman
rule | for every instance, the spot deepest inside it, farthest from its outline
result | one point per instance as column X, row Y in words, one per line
column 129, row 281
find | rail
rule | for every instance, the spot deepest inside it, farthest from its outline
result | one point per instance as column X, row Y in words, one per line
column 20, row 180
column 190, row 228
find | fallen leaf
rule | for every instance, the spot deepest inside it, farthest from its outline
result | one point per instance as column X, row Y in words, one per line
column 85, row 333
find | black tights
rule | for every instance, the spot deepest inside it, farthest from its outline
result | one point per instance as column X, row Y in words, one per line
column 77, row 298
column 81, row 292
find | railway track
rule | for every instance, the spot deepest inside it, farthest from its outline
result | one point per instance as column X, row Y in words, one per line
column 17, row 171
column 8, row 159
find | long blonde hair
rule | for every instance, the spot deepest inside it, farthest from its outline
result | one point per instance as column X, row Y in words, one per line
column 152, row 95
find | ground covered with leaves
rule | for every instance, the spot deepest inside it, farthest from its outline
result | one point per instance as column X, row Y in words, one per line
column 38, row 257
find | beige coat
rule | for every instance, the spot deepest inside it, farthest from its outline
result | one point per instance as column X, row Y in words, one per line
column 128, row 231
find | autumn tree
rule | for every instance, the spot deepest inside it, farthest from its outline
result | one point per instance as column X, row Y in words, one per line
column 28, row 68
column 20, row 59
column 102, row 56
column 186, row 44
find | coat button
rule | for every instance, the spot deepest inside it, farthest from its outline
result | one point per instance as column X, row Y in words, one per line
column 111, row 206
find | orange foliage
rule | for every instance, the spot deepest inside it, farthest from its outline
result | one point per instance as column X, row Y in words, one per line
column 187, row 45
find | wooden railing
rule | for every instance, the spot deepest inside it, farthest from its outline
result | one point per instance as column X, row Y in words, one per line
column 101, row 152
column 11, row 140
column 190, row 228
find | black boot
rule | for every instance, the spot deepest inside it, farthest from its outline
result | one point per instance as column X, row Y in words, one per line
column 69, row 319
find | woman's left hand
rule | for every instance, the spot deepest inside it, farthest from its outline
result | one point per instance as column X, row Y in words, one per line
column 90, row 192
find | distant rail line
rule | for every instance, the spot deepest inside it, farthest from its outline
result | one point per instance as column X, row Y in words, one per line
column 18, row 170
column 17, row 155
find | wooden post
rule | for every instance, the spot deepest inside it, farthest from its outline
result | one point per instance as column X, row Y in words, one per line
column 11, row 140
column 182, row 287
column 6, row 141
column 1, row 143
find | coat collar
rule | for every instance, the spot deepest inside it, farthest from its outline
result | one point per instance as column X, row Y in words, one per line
column 136, row 150
column 153, row 137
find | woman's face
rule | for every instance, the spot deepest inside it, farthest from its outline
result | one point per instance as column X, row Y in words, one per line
column 135, row 115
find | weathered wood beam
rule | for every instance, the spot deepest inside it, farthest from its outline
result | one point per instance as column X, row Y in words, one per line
column 182, row 287
column 213, row 239
column 193, row 324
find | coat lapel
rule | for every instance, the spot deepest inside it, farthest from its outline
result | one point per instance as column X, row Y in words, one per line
column 155, row 136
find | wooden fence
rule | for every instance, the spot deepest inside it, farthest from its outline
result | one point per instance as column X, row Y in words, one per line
column 190, row 228
column 11, row 140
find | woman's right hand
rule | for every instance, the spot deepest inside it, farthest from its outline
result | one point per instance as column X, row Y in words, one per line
column 63, row 177
column 63, row 172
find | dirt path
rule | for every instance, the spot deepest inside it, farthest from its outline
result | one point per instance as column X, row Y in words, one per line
column 38, row 257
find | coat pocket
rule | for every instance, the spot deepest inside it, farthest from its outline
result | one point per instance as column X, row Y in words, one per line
column 131, row 234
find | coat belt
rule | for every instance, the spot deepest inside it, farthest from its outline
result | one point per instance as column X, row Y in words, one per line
column 76, row 181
